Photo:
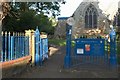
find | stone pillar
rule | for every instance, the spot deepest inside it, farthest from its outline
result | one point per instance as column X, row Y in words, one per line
column 33, row 47
column 30, row 33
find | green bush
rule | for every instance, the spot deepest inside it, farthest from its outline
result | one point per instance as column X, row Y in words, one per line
column 59, row 42
column 118, row 51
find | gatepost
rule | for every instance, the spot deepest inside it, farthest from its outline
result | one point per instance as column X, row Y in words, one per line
column 37, row 41
column 30, row 33
column 113, row 56
column 67, row 60
column 38, row 48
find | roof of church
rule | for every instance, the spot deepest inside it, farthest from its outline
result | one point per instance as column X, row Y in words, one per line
column 80, row 11
column 83, row 5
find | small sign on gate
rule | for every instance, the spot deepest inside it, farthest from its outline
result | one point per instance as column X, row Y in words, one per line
column 87, row 47
column 80, row 51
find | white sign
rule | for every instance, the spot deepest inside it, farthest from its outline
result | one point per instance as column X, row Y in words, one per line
column 80, row 51
column 70, row 21
column 70, row 32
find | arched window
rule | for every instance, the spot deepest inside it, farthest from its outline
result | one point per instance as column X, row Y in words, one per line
column 91, row 17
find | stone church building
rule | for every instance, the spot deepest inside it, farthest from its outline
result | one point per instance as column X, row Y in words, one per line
column 89, row 21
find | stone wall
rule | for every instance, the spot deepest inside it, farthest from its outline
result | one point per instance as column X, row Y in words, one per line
column 60, row 31
column 79, row 30
column 13, row 67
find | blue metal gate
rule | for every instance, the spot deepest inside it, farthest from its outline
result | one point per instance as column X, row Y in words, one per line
column 90, row 51
column 41, row 48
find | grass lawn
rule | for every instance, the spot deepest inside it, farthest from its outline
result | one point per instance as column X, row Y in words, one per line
column 118, row 58
column 58, row 42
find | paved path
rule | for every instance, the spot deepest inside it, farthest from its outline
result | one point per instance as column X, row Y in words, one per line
column 53, row 68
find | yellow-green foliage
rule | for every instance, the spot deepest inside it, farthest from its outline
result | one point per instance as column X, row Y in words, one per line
column 59, row 42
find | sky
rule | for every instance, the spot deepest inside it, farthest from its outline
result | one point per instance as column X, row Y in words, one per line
column 108, row 7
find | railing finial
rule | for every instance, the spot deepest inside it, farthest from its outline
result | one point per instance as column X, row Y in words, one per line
column 37, row 27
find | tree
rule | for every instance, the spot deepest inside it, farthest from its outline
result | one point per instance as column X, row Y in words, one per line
column 51, row 8
column 4, row 10
column 29, row 15
column 116, row 21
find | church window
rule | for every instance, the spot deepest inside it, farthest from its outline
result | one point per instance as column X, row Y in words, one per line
column 91, row 17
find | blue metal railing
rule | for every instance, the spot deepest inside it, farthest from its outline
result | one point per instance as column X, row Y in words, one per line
column 14, row 45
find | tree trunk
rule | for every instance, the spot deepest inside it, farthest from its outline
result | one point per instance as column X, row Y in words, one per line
column 0, row 46
column 0, row 36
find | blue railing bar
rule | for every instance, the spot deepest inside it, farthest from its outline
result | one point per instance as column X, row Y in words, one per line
column 23, row 51
column 41, row 50
column 27, row 45
column 15, row 38
column 2, row 48
column 9, row 40
column 5, row 46
column 17, row 52
column 12, row 47
column 18, row 46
